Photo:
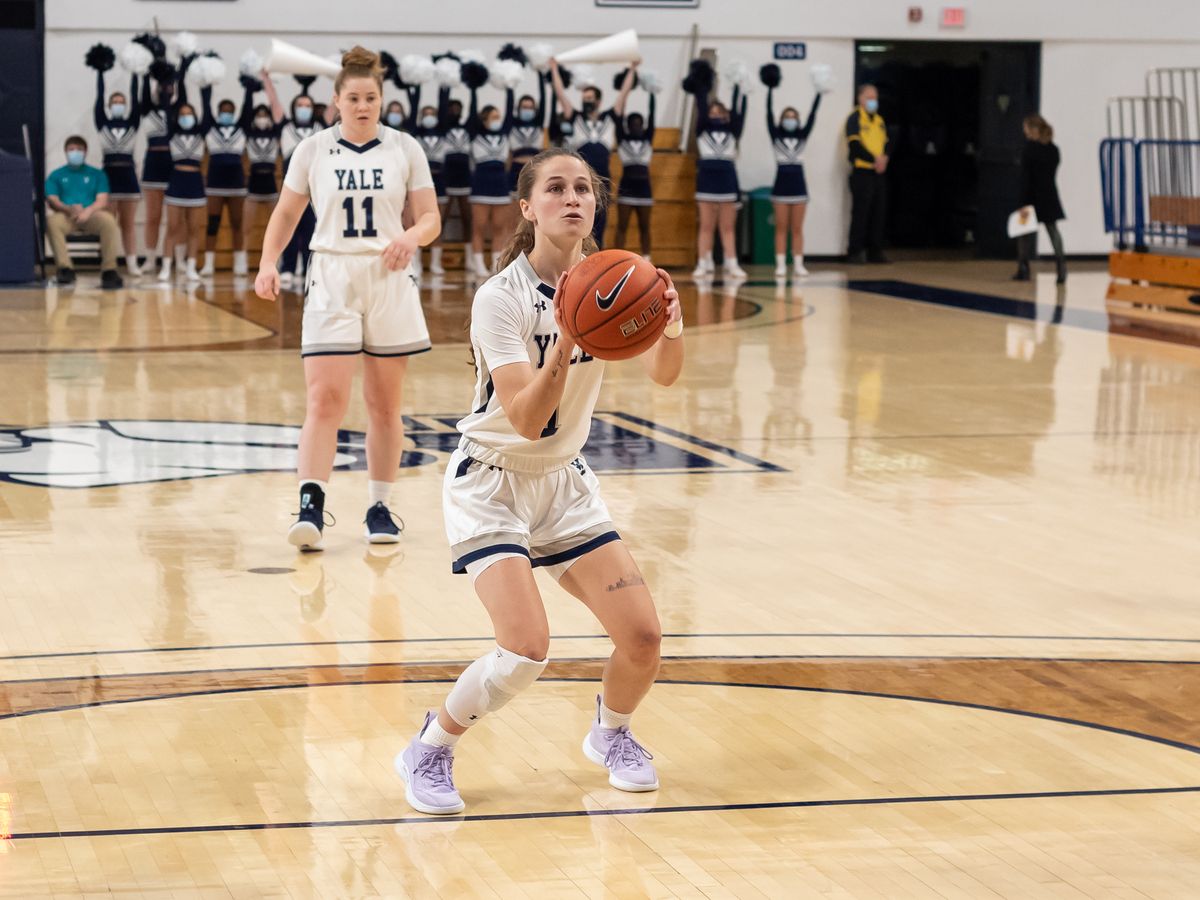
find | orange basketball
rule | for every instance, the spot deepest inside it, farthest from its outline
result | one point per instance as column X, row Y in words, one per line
column 613, row 304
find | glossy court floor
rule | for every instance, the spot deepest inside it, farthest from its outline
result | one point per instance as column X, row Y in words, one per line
column 923, row 542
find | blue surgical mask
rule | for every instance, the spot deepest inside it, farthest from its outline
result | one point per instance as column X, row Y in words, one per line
column 394, row 119
column 187, row 122
column 567, row 128
column 429, row 121
column 871, row 106
column 75, row 157
column 494, row 125
column 226, row 118
column 790, row 124
column 527, row 115
column 117, row 111
column 303, row 115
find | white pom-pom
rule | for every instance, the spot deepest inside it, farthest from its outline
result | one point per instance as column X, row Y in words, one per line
column 135, row 58
column 506, row 74
column 416, row 69
column 539, row 56
column 650, row 80
column 583, row 75
column 472, row 56
column 448, row 72
column 184, row 44
column 250, row 63
column 207, row 70
column 822, row 77
column 738, row 74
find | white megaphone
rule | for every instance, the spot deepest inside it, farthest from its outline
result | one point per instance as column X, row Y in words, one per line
column 621, row 47
column 287, row 59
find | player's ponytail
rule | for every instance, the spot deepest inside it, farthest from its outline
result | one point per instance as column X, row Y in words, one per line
column 359, row 62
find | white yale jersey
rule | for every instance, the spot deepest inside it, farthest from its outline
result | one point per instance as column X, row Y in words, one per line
column 512, row 321
column 357, row 192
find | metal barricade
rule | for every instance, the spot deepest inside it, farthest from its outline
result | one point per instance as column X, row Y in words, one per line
column 1182, row 84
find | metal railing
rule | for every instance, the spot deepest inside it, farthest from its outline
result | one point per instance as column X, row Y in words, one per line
column 1147, row 118
column 1151, row 193
column 1184, row 85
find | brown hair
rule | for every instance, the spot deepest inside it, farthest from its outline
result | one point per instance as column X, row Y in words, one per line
column 76, row 140
column 523, row 238
column 359, row 62
column 1040, row 127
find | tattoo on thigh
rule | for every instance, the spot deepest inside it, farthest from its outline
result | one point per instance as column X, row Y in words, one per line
column 625, row 581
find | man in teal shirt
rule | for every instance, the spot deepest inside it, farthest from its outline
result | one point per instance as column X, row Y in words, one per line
column 77, row 195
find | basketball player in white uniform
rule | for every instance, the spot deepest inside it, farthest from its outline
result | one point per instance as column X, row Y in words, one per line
column 518, row 495
column 361, row 296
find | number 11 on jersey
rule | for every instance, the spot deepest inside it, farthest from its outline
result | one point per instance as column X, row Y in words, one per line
column 368, row 205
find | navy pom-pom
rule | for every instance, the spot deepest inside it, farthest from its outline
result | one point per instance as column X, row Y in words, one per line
column 391, row 68
column 251, row 83
column 619, row 79
column 305, row 82
column 770, row 75
column 152, row 42
column 100, row 57
column 513, row 52
column 700, row 77
column 565, row 75
column 474, row 74
column 163, row 71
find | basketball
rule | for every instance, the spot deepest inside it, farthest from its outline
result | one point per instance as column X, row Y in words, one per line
column 613, row 304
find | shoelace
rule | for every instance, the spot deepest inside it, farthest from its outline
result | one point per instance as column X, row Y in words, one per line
column 626, row 750
column 437, row 766
column 326, row 517
column 396, row 520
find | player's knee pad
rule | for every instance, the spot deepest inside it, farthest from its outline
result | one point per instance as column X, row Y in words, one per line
column 489, row 683
column 214, row 225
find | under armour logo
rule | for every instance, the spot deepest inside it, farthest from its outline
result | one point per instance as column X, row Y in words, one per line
column 578, row 464
column 472, row 718
column 337, row 150
column 416, row 281
column 540, row 306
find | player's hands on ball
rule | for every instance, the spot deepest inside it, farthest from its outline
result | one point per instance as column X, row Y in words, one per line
column 399, row 253
column 266, row 284
column 674, row 310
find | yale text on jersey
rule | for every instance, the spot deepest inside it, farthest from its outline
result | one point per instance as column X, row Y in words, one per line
column 359, row 179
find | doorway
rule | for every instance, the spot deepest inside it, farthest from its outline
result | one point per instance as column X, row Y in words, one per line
column 953, row 111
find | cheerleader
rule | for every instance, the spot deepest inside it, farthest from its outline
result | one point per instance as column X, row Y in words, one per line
column 489, row 181
column 227, row 180
column 789, row 196
column 593, row 132
column 718, row 129
column 361, row 298
column 154, row 107
column 425, row 125
column 635, row 147
column 456, row 163
column 394, row 115
column 117, row 126
column 517, row 495
column 262, row 146
column 185, row 195
column 525, row 141
column 303, row 122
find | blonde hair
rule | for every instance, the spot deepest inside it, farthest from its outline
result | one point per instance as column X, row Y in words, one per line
column 359, row 62
column 1040, row 127
column 523, row 238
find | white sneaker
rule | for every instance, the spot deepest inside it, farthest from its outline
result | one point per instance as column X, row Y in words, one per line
column 704, row 268
column 435, row 262
column 285, row 281
column 210, row 262
column 191, row 274
column 781, row 270
column 164, row 274
column 799, row 270
column 733, row 270
column 131, row 266
column 241, row 265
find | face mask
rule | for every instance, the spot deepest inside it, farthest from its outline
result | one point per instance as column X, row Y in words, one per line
column 186, row 122
column 117, row 110
column 75, row 157
column 429, row 122
column 871, row 106
column 526, row 115
column 225, row 118
column 494, row 125
column 567, row 128
column 790, row 124
column 303, row 115
column 262, row 123
column 394, row 119
column 589, row 107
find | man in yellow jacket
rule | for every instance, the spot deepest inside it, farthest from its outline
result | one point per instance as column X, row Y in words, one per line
column 867, row 144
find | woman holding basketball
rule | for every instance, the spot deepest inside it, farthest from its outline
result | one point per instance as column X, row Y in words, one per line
column 518, row 495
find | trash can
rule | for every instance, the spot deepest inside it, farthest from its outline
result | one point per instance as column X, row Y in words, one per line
column 762, row 227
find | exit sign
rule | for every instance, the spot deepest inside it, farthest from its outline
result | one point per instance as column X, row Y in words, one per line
column 954, row 17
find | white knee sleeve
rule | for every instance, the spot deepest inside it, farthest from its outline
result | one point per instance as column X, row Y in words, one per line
column 490, row 682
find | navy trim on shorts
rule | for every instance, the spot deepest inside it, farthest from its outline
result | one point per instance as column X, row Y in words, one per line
column 463, row 467
column 331, row 353
column 392, row 355
column 595, row 543
column 459, row 566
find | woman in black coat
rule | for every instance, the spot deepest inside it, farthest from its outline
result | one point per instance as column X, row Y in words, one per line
column 1039, row 163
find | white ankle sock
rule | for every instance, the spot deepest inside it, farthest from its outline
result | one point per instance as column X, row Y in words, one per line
column 131, row 265
column 610, row 719
column 435, row 257
column 437, row 735
column 379, row 492
column 781, row 260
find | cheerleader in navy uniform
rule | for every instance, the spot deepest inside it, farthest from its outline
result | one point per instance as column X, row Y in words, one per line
column 425, row 125
column 185, row 196
column 117, row 126
column 394, row 116
column 635, row 143
column 718, row 129
column 303, row 122
column 790, row 193
column 262, row 146
column 227, row 181
column 593, row 132
column 525, row 141
column 456, row 163
column 489, row 182
column 158, row 95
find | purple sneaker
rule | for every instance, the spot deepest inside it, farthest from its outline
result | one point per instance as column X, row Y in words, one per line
column 627, row 761
column 428, row 773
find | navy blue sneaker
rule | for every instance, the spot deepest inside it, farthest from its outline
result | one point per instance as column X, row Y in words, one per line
column 306, row 531
column 383, row 526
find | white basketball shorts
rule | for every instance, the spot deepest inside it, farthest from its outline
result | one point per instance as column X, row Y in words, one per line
column 353, row 304
column 552, row 518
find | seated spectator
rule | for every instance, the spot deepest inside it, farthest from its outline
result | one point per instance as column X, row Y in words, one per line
column 77, row 195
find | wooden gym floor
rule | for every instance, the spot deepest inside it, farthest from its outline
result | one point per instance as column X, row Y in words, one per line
column 923, row 542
